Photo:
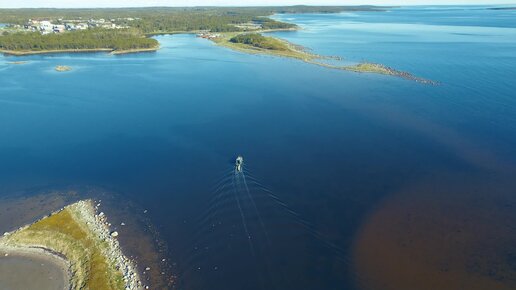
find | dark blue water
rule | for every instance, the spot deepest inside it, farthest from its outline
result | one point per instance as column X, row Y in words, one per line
column 162, row 128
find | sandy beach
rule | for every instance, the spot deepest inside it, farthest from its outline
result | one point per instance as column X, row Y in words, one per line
column 46, row 270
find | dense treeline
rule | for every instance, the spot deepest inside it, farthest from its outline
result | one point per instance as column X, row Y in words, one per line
column 194, row 22
column 260, row 41
column 162, row 20
column 88, row 39
column 193, row 14
column 145, row 21
column 268, row 23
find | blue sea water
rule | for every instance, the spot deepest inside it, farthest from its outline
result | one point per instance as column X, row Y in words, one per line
column 162, row 128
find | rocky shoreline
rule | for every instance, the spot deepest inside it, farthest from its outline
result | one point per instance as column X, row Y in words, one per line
column 23, row 241
column 99, row 225
column 386, row 70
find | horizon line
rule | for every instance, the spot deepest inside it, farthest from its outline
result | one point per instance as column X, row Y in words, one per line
column 251, row 6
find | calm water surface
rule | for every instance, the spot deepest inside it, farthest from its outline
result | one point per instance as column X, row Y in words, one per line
column 164, row 128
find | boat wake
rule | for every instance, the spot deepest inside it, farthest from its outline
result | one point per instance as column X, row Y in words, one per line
column 248, row 224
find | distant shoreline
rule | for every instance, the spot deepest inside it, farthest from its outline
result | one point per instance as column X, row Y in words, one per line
column 292, row 51
column 502, row 8
column 55, row 51
column 202, row 31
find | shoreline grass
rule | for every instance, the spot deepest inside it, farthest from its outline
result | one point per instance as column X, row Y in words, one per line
column 76, row 234
column 283, row 48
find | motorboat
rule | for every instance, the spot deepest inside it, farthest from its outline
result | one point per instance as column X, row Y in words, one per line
column 239, row 162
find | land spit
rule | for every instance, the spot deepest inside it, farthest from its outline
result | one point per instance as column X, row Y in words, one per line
column 81, row 239
column 284, row 48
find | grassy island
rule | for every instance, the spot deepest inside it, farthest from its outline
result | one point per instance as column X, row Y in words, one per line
column 256, row 43
column 82, row 237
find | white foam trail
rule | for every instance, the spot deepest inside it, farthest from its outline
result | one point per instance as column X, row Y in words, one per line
column 225, row 178
column 256, row 209
column 243, row 217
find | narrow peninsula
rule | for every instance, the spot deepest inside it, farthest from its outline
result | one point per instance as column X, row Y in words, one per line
column 256, row 43
column 79, row 238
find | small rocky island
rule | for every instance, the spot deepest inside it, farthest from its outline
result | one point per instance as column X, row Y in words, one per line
column 63, row 68
column 81, row 240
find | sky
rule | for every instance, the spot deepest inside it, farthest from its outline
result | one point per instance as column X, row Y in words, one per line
column 139, row 3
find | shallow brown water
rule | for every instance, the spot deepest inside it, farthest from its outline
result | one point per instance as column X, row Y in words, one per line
column 448, row 233
column 31, row 273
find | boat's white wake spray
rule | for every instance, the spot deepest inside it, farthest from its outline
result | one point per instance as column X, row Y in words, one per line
column 235, row 186
column 241, row 180
column 239, row 202
column 242, row 215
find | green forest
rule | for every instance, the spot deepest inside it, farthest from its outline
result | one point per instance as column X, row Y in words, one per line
column 260, row 41
column 144, row 22
column 174, row 18
column 124, row 39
